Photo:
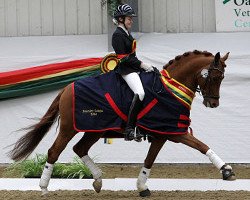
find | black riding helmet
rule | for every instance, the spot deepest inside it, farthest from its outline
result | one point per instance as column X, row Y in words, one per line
column 124, row 10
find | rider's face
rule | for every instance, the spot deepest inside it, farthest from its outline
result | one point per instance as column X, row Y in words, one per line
column 128, row 22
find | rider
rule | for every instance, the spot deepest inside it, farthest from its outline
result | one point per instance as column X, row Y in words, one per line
column 124, row 46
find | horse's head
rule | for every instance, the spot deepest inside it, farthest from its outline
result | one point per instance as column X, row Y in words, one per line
column 209, row 80
column 199, row 71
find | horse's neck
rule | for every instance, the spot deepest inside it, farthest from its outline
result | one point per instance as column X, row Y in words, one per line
column 185, row 71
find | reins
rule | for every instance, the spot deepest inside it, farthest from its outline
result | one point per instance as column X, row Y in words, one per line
column 157, row 74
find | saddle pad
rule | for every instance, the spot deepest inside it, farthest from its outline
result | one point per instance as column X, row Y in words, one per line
column 102, row 103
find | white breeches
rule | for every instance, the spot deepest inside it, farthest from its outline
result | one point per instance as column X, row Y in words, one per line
column 134, row 82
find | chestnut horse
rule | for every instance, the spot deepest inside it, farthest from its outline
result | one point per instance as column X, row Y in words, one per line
column 198, row 71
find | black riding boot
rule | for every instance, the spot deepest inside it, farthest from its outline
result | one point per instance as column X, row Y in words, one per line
column 135, row 108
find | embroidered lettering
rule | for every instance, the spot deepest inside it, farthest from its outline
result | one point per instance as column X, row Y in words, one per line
column 92, row 112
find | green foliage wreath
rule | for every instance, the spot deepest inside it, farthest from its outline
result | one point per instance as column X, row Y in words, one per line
column 112, row 5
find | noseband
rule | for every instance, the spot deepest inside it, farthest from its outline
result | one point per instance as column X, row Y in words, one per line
column 206, row 93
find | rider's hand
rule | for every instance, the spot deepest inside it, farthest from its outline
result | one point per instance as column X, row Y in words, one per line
column 147, row 67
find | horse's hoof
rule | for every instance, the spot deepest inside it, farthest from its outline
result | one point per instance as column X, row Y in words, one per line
column 227, row 173
column 44, row 191
column 97, row 184
column 231, row 178
column 145, row 193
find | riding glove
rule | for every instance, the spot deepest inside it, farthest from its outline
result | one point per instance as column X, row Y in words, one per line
column 147, row 67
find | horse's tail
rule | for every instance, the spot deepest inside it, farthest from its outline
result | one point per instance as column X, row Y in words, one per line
column 27, row 143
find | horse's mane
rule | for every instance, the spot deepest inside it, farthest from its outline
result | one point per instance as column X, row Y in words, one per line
column 186, row 54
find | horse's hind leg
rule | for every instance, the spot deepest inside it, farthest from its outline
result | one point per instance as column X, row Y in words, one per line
column 53, row 153
column 82, row 149
column 190, row 140
column 66, row 133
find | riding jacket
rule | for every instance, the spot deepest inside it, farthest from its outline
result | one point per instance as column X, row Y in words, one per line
column 122, row 44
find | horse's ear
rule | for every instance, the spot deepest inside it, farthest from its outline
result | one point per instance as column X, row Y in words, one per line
column 217, row 59
column 224, row 58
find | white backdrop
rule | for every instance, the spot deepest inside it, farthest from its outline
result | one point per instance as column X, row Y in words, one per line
column 225, row 129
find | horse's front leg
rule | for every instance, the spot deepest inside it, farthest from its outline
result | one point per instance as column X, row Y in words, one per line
column 190, row 140
column 154, row 149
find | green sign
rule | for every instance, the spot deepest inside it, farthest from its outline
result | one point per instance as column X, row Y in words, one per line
column 232, row 15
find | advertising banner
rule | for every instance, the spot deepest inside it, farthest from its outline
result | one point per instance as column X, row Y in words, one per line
column 232, row 15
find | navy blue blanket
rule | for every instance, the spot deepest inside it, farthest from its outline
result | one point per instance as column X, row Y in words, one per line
column 102, row 103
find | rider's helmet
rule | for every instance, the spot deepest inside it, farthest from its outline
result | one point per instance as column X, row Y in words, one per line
column 124, row 10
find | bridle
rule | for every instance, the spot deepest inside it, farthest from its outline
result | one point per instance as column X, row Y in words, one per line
column 206, row 92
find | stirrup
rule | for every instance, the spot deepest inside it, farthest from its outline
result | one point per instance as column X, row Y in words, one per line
column 133, row 134
column 129, row 134
column 137, row 135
